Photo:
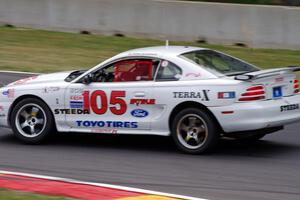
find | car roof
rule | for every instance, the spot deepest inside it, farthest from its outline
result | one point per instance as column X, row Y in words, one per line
column 159, row 51
column 162, row 52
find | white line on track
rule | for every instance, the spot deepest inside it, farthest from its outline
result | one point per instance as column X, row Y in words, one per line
column 18, row 72
column 131, row 189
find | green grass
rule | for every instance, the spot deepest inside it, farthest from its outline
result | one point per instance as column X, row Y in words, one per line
column 13, row 195
column 48, row 51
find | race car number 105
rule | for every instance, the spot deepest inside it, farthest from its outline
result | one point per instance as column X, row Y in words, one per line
column 116, row 98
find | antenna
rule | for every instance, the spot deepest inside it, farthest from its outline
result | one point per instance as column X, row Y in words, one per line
column 167, row 44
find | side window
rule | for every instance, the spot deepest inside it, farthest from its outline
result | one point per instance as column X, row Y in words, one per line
column 128, row 70
column 168, row 72
column 133, row 71
column 219, row 63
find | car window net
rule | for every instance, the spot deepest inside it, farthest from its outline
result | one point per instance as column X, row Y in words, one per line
column 133, row 71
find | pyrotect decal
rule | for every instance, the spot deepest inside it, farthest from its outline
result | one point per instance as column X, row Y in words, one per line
column 203, row 95
column 113, row 124
column 139, row 113
column 142, row 101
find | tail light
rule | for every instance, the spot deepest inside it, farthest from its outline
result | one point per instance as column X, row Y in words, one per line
column 296, row 86
column 253, row 93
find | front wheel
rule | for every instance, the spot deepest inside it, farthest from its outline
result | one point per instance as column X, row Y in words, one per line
column 194, row 131
column 31, row 121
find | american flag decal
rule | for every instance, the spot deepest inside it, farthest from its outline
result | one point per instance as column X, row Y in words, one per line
column 11, row 93
column 226, row 95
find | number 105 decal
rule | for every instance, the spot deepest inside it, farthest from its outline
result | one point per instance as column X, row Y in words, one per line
column 116, row 104
column 116, row 99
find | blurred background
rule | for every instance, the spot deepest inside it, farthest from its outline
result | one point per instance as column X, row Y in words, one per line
column 51, row 35
column 58, row 35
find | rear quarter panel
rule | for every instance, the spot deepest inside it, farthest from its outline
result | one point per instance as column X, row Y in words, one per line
column 170, row 94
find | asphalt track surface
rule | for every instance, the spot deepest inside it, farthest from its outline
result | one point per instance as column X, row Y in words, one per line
column 266, row 169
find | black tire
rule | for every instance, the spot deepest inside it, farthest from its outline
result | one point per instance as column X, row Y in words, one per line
column 202, row 121
column 40, row 118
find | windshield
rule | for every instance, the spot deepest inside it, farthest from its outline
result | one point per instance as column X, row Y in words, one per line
column 219, row 63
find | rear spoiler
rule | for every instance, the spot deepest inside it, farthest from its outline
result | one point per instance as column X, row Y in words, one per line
column 266, row 73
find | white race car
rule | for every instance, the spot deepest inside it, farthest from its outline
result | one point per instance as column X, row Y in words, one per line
column 195, row 95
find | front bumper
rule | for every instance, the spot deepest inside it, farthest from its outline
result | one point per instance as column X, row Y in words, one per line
column 257, row 115
column 4, row 110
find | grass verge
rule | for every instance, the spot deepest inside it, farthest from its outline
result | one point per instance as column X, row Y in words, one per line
column 48, row 51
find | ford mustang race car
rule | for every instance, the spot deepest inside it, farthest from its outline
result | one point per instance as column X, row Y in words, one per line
column 194, row 95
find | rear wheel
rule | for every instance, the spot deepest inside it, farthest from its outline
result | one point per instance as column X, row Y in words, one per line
column 194, row 131
column 31, row 121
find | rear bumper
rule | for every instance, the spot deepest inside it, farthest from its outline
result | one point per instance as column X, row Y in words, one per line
column 257, row 115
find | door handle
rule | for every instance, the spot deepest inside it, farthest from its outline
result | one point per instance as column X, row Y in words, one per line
column 139, row 94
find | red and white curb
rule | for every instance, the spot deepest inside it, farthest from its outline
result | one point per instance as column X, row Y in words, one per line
column 78, row 189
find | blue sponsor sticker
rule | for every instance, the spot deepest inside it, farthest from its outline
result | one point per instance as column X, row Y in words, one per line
column 9, row 93
column 139, row 113
column 76, row 104
column 5, row 93
column 277, row 92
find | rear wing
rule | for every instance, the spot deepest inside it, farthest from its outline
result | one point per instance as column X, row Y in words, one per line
column 267, row 73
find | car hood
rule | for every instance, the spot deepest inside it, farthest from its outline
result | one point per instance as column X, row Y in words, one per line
column 42, row 79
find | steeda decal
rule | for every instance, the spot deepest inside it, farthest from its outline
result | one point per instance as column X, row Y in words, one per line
column 289, row 107
column 139, row 113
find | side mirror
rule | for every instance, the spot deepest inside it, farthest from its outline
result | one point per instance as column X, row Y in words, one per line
column 87, row 79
